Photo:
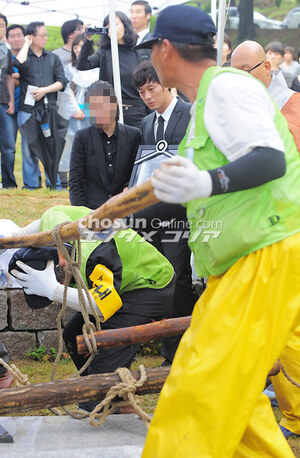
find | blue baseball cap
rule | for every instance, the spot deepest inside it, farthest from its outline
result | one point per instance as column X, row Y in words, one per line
column 181, row 24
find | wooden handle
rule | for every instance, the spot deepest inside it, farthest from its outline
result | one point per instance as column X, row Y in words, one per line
column 76, row 389
column 118, row 206
column 135, row 334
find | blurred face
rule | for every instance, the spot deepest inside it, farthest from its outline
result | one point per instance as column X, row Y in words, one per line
column 77, row 49
column 40, row 37
column 120, row 30
column 139, row 18
column 2, row 28
column 155, row 96
column 288, row 57
column 102, row 110
column 15, row 39
column 275, row 59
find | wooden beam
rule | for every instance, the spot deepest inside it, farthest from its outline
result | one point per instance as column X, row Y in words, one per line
column 135, row 334
column 119, row 206
column 77, row 389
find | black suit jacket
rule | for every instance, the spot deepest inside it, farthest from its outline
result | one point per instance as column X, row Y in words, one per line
column 176, row 127
column 174, row 133
column 89, row 181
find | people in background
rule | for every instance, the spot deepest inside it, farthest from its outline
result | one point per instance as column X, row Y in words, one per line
column 290, row 64
column 69, row 30
column 275, row 52
column 7, row 108
column 134, row 110
column 72, row 103
column 44, row 71
column 15, row 39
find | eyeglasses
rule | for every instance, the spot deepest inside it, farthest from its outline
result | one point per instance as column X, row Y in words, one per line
column 255, row 66
column 42, row 35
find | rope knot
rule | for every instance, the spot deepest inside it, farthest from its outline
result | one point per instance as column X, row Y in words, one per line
column 125, row 389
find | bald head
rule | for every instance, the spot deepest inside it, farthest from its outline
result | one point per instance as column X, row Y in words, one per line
column 249, row 54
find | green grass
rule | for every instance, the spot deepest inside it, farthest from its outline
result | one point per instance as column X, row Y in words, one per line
column 24, row 206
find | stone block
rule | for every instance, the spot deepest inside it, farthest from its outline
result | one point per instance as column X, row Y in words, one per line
column 18, row 343
column 49, row 339
column 3, row 309
column 23, row 317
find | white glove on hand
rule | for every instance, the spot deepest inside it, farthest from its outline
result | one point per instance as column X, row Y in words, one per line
column 178, row 180
column 40, row 282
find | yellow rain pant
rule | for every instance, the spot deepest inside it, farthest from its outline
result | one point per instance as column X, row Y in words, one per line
column 288, row 395
column 212, row 403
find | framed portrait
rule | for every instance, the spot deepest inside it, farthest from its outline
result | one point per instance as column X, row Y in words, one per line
column 148, row 159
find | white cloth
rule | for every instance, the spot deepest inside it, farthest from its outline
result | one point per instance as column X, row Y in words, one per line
column 238, row 116
column 279, row 90
column 141, row 35
column 69, row 103
column 166, row 115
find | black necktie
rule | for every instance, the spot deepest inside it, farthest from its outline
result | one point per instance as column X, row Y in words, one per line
column 160, row 129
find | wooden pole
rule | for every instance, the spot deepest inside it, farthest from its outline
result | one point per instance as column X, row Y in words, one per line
column 135, row 334
column 119, row 206
column 77, row 389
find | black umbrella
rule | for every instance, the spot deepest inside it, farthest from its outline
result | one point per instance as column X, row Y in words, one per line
column 47, row 149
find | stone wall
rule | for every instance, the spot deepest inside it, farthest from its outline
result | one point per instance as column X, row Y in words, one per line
column 22, row 329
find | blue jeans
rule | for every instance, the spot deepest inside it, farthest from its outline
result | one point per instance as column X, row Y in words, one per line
column 7, row 147
column 30, row 163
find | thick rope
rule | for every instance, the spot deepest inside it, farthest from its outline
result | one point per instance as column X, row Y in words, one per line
column 73, row 269
column 20, row 378
column 125, row 389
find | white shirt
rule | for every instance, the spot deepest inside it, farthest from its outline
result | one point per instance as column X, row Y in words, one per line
column 141, row 35
column 279, row 90
column 166, row 115
column 238, row 116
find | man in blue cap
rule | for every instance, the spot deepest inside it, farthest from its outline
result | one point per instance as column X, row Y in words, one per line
column 239, row 166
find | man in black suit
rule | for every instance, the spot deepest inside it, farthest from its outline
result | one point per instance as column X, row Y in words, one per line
column 140, row 14
column 103, row 154
column 168, row 121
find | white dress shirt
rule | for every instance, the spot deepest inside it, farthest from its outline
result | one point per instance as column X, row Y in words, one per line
column 141, row 35
column 166, row 115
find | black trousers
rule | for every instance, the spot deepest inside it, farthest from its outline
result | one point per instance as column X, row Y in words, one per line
column 185, row 295
column 140, row 306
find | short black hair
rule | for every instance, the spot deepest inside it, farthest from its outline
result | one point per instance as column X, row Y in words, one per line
column 31, row 29
column 13, row 27
column 148, row 9
column 275, row 46
column 68, row 27
column 129, row 38
column 196, row 53
column 4, row 18
column 144, row 73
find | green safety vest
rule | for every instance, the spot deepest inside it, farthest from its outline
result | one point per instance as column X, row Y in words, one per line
column 225, row 227
column 143, row 266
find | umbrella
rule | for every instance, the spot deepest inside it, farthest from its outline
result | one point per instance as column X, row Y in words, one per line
column 47, row 149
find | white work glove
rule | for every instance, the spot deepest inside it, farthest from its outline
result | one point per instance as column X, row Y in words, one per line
column 178, row 180
column 40, row 282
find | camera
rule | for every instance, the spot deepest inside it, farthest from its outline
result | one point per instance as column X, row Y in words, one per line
column 97, row 30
